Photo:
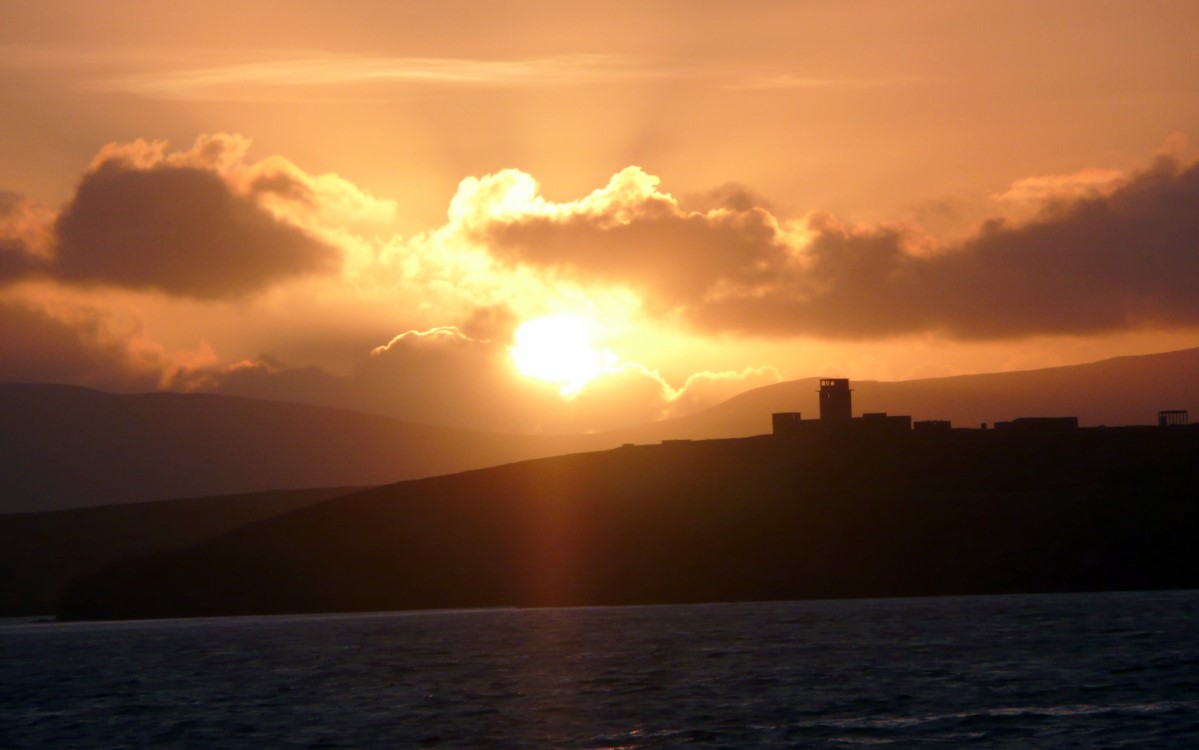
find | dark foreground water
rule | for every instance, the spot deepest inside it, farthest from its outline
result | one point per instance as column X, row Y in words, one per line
column 1079, row 670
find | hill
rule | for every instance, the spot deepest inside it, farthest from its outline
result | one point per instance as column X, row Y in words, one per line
column 65, row 446
column 41, row 553
column 755, row 518
column 1118, row 391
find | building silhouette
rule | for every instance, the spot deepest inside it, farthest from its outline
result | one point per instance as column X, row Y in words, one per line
column 1038, row 425
column 836, row 417
column 837, row 421
column 1171, row 417
column 785, row 422
column 881, row 423
column 835, row 400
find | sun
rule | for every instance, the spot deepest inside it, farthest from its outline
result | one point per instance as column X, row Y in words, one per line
column 557, row 349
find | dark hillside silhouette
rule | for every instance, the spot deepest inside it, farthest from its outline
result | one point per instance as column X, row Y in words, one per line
column 41, row 552
column 756, row 518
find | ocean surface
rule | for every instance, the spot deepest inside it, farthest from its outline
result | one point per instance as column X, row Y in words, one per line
column 1044, row 671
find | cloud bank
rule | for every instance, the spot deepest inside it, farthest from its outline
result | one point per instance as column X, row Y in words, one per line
column 180, row 231
column 1093, row 260
column 84, row 345
column 193, row 224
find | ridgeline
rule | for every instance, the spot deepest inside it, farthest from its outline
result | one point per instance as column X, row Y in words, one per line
column 961, row 512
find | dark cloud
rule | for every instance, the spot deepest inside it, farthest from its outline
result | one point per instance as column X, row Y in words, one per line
column 16, row 262
column 1125, row 259
column 180, row 230
column 283, row 185
column 851, row 284
column 673, row 257
column 17, row 258
column 731, row 195
column 37, row 347
column 1122, row 261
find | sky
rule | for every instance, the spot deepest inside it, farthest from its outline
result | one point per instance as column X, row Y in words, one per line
column 565, row 217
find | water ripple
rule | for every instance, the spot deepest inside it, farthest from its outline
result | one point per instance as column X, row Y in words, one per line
column 1083, row 670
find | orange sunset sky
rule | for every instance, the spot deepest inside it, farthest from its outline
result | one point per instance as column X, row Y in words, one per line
column 574, row 216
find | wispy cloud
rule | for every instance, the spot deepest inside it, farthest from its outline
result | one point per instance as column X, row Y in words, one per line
column 316, row 76
column 299, row 75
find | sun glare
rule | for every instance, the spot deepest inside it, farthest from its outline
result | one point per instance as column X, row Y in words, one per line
column 557, row 349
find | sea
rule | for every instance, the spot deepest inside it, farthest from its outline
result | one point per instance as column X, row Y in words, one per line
column 1089, row 670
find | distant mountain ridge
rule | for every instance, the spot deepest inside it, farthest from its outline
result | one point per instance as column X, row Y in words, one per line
column 66, row 446
column 1118, row 391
